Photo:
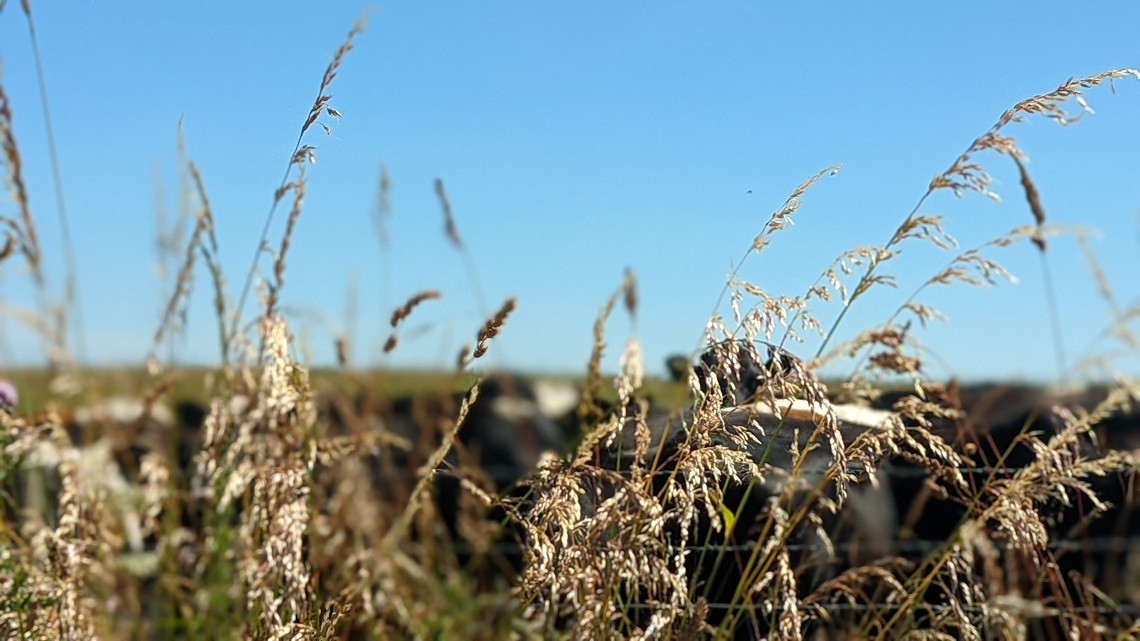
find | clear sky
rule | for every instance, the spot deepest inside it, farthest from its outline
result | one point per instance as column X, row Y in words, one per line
column 575, row 140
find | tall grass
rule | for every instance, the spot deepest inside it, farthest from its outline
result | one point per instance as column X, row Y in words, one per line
column 290, row 524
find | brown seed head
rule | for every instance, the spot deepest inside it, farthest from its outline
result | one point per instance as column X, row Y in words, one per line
column 493, row 325
column 405, row 310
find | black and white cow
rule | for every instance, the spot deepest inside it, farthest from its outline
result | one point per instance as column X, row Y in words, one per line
column 754, row 419
column 106, row 441
column 996, row 436
column 908, row 512
column 511, row 424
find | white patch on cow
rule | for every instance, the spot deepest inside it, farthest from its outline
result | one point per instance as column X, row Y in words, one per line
column 862, row 415
column 556, row 398
column 122, row 410
column 46, row 453
column 96, row 468
column 802, row 409
column 514, row 408
column 96, row 473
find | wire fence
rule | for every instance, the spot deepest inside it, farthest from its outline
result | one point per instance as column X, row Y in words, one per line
column 506, row 474
column 818, row 609
column 1109, row 550
column 1105, row 545
column 1027, row 607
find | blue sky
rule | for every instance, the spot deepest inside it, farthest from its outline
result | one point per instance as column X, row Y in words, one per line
column 574, row 141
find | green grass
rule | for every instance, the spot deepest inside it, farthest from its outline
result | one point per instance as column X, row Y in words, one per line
column 192, row 383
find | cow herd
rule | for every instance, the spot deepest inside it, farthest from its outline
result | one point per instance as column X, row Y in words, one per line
column 1014, row 488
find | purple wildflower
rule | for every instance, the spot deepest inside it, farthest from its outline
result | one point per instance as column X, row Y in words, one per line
column 8, row 395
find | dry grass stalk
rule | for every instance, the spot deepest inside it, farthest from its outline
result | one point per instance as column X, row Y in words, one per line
column 427, row 474
column 342, row 349
column 266, row 464
column 24, row 230
column 1119, row 328
column 22, row 235
column 970, row 267
column 629, row 288
column 965, row 174
column 782, row 217
column 203, row 240
column 45, row 592
column 627, row 384
column 392, row 341
column 68, row 550
column 297, row 186
column 202, row 228
column 405, row 310
column 588, row 410
column 778, row 221
column 298, row 157
column 452, row 232
column 170, row 235
column 577, row 561
column 383, row 208
column 492, row 327
column 1034, row 200
column 1058, row 471
column 461, row 360
column 346, row 339
column 69, row 306
column 322, row 101
column 9, row 247
column 449, row 227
